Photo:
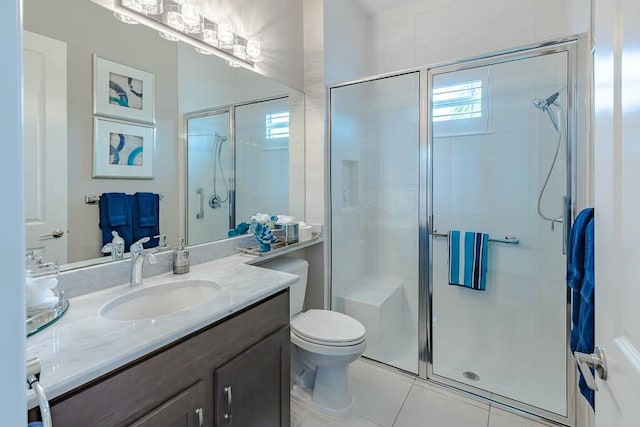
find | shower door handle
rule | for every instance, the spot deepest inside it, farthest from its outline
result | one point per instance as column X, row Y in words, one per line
column 200, row 214
column 597, row 361
column 566, row 212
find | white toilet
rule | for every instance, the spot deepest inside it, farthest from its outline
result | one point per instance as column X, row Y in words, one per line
column 324, row 343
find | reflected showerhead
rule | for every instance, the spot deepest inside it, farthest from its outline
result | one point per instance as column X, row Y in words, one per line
column 543, row 104
column 220, row 139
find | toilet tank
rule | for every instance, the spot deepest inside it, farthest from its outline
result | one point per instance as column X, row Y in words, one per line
column 297, row 289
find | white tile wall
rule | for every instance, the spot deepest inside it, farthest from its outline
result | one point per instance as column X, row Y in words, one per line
column 426, row 32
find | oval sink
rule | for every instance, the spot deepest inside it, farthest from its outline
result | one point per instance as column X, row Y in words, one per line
column 160, row 300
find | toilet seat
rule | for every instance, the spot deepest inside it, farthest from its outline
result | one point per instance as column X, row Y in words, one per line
column 328, row 328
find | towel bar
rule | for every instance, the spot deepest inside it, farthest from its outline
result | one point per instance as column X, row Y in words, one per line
column 509, row 239
column 92, row 199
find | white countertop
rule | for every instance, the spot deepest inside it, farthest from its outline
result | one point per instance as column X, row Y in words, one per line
column 83, row 345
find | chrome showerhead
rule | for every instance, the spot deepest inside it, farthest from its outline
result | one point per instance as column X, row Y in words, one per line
column 220, row 139
column 543, row 104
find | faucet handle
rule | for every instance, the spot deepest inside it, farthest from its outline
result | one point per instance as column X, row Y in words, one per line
column 151, row 257
column 137, row 248
column 162, row 240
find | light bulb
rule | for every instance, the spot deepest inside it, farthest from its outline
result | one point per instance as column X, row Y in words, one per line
column 226, row 34
column 254, row 52
column 134, row 5
column 152, row 7
column 240, row 48
column 191, row 17
column 174, row 18
column 210, row 35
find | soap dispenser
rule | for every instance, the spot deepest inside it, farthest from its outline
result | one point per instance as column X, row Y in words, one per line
column 117, row 246
column 180, row 259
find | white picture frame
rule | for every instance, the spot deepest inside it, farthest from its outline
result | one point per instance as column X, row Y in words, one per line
column 122, row 149
column 122, row 92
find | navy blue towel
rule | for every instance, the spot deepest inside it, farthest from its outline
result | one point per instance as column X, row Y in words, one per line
column 146, row 217
column 115, row 215
column 581, row 280
column 575, row 268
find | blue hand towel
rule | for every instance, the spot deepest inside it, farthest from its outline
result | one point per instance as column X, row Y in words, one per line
column 117, row 205
column 575, row 261
column 115, row 215
column 586, row 343
column 146, row 218
column 468, row 259
column 580, row 278
column 148, row 209
column 575, row 269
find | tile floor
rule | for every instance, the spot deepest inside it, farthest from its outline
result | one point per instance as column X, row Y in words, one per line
column 387, row 398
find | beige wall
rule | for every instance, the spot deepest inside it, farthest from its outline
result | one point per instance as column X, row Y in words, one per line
column 100, row 34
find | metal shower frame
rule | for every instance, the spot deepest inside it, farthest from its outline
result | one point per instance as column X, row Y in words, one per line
column 425, row 193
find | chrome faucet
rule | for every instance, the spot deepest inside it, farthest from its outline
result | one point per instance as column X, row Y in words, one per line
column 138, row 255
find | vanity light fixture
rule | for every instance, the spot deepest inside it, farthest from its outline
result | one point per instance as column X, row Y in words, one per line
column 226, row 34
column 152, row 7
column 192, row 18
column 254, row 51
column 240, row 48
column 175, row 18
column 183, row 20
column 209, row 36
column 134, row 5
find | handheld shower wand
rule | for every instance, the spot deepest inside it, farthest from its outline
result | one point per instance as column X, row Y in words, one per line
column 215, row 201
column 544, row 104
column 556, row 119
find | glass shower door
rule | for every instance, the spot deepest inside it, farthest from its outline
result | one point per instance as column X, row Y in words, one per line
column 262, row 158
column 374, row 213
column 499, row 163
column 209, row 165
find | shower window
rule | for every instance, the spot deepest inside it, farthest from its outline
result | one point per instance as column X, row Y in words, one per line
column 457, row 102
column 460, row 105
column 277, row 125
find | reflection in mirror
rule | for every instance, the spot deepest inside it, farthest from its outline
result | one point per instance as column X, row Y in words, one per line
column 209, row 177
column 185, row 82
column 224, row 190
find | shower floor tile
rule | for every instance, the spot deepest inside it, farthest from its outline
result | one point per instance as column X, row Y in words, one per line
column 534, row 385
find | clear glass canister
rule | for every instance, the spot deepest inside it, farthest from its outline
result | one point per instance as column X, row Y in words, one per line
column 45, row 303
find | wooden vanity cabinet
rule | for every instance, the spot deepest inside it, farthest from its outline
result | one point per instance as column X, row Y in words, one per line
column 184, row 410
column 238, row 367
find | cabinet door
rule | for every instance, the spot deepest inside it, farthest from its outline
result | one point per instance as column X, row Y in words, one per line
column 252, row 389
column 183, row 410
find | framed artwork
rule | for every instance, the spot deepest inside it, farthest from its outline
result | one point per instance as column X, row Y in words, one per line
column 122, row 149
column 122, row 92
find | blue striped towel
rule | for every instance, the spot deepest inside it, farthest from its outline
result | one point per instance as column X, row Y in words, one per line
column 468, row 259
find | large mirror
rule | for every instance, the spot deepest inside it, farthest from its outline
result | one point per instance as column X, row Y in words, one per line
column 227, row 142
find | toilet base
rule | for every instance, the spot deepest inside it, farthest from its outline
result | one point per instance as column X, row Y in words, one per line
column 305, row 398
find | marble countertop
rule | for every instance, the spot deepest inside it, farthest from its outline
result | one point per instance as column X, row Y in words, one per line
column 83, row 345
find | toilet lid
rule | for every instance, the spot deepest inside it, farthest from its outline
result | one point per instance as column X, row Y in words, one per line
column 328, row 328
